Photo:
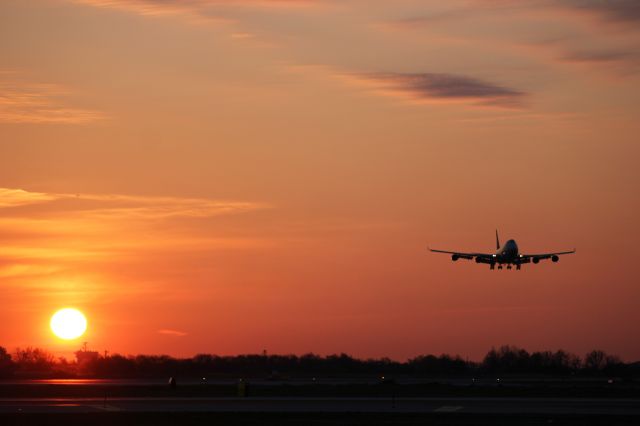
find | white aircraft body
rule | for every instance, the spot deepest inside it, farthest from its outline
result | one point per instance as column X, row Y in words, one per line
column 508, row 254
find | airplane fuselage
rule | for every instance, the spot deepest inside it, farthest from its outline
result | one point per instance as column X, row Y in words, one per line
column 508, row 253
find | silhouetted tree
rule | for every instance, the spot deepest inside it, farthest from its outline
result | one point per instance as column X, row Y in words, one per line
column 614, row 366
column 444, row 364
column 595, row 360
column 6, row 363
column 504, row 360
column 507, row 359
column 33, row 360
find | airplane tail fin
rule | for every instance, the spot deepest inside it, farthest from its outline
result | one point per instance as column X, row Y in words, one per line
column 497, row 240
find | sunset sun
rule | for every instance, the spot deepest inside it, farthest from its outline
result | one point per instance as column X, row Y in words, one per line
column 68, row 323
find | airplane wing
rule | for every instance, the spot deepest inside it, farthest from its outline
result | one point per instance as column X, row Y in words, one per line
column 541, row 256
column 455, row 255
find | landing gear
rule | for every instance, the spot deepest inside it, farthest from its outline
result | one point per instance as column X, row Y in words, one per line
column 509, row 266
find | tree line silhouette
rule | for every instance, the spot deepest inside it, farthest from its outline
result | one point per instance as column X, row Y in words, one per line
column 38, row 363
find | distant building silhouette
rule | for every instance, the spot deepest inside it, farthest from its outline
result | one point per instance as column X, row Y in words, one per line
column 86, row 359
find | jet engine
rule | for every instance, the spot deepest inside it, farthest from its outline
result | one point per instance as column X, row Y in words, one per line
column 454, row 257
column 554, row 258
column 535, row 260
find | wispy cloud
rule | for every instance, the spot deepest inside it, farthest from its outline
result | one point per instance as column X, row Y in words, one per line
column 596, row 56
column 27, row 102
column 441, row 87
column 81, row 247
column 170, row 332
column 614, row 10
column 123, row 206
column 580, row 32
column 196, row 10
column 10, row 197
column 624, row 62
column 78, row 227
column 627, row 11
column 193, row 10
column 617, row 59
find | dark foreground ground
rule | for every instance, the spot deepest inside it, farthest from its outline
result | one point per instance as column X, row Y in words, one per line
column 310, row 419
column 331, row 402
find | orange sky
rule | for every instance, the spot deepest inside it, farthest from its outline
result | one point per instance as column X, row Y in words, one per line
column 231, row 176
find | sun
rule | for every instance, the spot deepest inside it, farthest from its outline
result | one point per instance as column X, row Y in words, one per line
column 68, row 323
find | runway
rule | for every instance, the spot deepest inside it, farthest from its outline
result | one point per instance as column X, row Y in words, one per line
column 550, row 406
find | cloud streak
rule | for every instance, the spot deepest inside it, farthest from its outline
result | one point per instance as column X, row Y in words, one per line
column 10, row 197
column 173, row 333
column 77, row 227
column 613, row 10
column 25, row 102
column 96, row 247
column 627, row 11
column 124, row 206
column 442, row 87
column 627, row 61
column 581, row 32
column 598, row 56
column 196, row 10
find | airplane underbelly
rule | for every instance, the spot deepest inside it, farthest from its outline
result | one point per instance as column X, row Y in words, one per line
column 508, row 256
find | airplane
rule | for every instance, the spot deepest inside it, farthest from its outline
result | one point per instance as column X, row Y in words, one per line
column 508, row 254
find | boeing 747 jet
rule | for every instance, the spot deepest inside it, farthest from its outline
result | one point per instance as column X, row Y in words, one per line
column 508, row 254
